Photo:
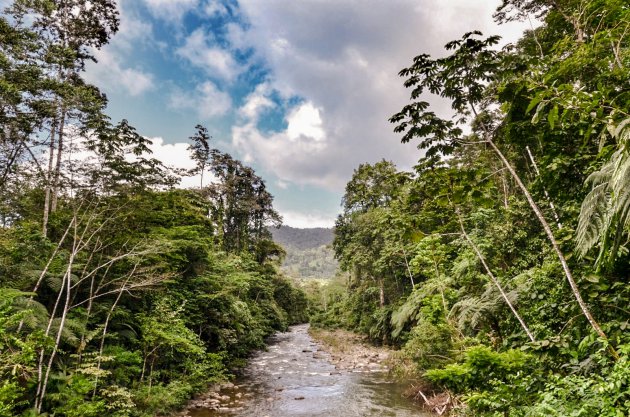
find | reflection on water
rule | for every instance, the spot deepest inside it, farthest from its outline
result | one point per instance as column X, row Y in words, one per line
column 293, row 378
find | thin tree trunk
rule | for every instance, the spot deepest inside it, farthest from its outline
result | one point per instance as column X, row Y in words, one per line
column 537, row 171
column 554, row 243
column 381, row 292
column 505, row 190
column 45, row 270
column 67, row 282
column 494, row 280
column 49, row 175
column 563, row 262
column 42, row 351
column 109, row 315
column 413, row 285
column 55, row 192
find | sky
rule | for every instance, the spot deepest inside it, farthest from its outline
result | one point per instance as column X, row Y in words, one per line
column 301, row 90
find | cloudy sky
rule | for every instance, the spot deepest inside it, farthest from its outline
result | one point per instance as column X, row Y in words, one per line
column 299, row 89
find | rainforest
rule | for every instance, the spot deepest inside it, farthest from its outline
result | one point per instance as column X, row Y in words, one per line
column 495, row 271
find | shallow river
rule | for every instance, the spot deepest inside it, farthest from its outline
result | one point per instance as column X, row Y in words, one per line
column 293, row 378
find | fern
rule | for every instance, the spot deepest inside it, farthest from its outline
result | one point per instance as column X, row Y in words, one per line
column 406, row 312
column 472, row 310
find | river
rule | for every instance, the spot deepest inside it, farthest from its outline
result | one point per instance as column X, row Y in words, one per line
column 294, row 378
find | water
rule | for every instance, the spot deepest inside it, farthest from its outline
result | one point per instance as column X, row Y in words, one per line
column 294, row 378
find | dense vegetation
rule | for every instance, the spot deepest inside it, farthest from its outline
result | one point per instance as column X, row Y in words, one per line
column 309, row 253
column 500, row 264
column 119, row 294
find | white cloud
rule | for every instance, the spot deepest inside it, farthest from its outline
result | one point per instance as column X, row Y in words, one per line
column 199, row 50
column 305, row 121
column 256, row 103
column 176, row 155
column 342, row 58
column 206, row 100
column 110, row 74
column 170, row 10
column 294, row 155
column 215, row 7
column 306, row 220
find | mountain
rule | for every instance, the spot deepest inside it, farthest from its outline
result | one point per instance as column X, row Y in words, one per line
column 309, row 252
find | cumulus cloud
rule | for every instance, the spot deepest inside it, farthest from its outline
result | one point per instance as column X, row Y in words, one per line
column 256, row 103
column 206, row 100
column 110, row 72
column 200, row 50
column 175, row 155
column 215, row 7
column 305, row 220
column 170, row 10
column 112, row 75
column 300, row 148
column 342, row 58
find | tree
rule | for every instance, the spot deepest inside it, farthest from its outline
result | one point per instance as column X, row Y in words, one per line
column 67, row 32
column 242, row 206
column 463, row 77
column 200, row 151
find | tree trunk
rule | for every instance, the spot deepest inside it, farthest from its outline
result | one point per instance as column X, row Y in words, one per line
column 45, row 270
column 548, row 231
column 413, row 285
column 57, row 178
column 67, row 283
column 494, row 280
column 381, row 292
column 49, row 175
column 537, row 171
column 552, row 240
column 105, row 326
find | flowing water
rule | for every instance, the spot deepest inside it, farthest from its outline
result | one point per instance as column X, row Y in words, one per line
column 294, row 378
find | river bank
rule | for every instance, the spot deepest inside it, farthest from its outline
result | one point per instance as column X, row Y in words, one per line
column 352, row 352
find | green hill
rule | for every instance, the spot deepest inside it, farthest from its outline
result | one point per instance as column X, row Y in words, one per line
column 309, row 252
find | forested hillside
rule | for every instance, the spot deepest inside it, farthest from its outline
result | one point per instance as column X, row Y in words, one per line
column 309, row 252
column 120, row 295
column 307, row 238
column 499, row 265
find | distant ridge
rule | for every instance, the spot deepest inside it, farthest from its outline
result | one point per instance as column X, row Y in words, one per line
column 302, row 238
column 309, row 251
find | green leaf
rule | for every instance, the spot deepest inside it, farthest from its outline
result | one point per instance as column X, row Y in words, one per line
column 552, row 117
column 536, row 116
column 534, row 102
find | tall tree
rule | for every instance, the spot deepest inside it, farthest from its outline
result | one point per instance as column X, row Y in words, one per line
column 200, row 151
column 68, row 31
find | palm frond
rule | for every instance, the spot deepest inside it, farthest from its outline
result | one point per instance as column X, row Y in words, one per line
column 605, row 212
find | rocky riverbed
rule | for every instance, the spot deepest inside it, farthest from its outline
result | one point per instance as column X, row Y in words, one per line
column 351, row 352
column 332, row 375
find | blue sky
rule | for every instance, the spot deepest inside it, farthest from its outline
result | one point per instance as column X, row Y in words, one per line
column 299, row 89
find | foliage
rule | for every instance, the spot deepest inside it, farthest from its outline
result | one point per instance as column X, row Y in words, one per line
column 452, row 251
column 119, row 295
